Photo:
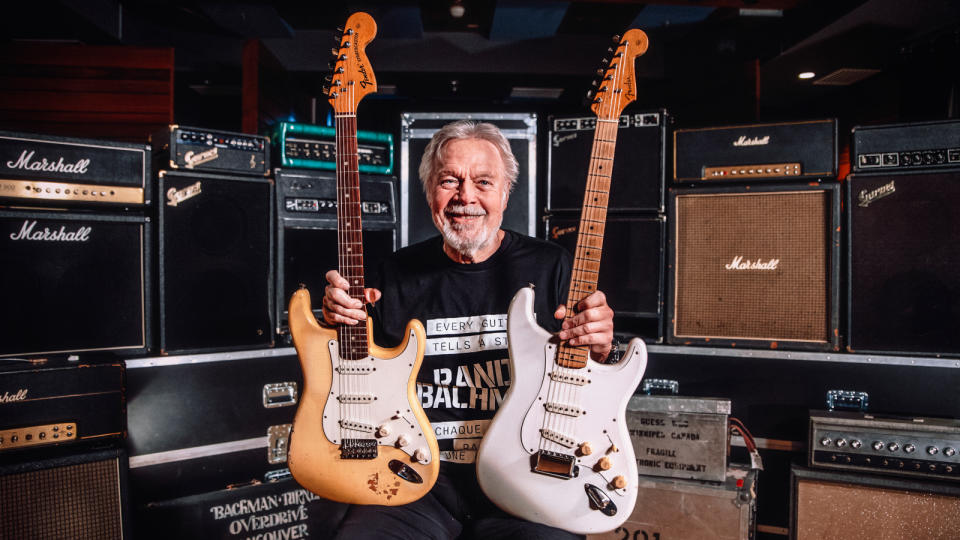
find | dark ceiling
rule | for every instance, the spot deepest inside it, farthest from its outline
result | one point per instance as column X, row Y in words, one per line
column 548, row 50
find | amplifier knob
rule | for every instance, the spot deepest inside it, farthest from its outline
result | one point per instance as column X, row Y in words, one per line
column 877, row 445
column 909, row 448
column 949, row 451
column 841, row 443
column 933, row 450
column 948, row 468
column 826, row 441
column 856, row 444
column 893, row 447
column 933, row 467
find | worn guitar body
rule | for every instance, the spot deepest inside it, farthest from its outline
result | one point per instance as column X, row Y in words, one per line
column 331, row 414
column 508, row 453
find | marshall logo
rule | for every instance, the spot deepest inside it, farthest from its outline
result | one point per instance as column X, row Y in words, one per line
column 557, row 232
column 191, row 159
column 7, row 397
column 864, row 198
column 739, row 263
column 27, row 163
column 46, row 235
column 752, row 141
column 175, row 197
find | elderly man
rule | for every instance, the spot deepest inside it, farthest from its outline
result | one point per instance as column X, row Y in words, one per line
column 460, row 285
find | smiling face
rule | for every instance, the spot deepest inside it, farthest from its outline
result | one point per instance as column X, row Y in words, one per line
column 467, row 197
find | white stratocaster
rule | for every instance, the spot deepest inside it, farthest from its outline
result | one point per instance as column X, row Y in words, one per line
column 558, row 451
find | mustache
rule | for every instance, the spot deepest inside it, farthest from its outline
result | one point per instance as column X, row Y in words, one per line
column 464, row 210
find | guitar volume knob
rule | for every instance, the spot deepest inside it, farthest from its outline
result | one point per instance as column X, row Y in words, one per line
column 420, row 454
column 586, row 449
column 604, row 464
column 383, row 431
column 619, row 482
column 403, row 440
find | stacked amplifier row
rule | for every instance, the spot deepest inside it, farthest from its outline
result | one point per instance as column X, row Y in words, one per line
column 103, row 254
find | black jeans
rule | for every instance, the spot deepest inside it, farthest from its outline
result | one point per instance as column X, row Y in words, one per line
column 455, row 508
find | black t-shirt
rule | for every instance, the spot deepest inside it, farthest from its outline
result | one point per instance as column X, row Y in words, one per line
column 463, row 307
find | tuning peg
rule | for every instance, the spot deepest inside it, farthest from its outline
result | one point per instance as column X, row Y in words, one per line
column 594, row 83
column 616, row 39
column 325, row 90
column 598, row 100
column 590, row 94
column 339, row 29
column 349, row 31
column 600, row 72
column 327, row 78
column 334, row 52
column 346, row 45
column 604, row 61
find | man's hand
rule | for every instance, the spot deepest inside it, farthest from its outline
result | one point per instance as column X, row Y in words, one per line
column 338, row 306
column 592, row 325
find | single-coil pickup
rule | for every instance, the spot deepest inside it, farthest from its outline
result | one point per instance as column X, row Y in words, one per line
column 558, row 438
column 560, row 408
column 355, row 370
column 356, row 426
column 355, row 398
column 569, row 378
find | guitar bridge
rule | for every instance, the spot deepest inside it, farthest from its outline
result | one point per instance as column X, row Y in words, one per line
column 555, row 464
column 358, row 449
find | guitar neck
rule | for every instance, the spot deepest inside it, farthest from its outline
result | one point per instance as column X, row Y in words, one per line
column 593, row 220
column 353, row 339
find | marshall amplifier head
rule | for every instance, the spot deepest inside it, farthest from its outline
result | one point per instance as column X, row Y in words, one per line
column 43, row 170
column 779, row 151
column 638, row 167
column 903, row 446
column 307, row 231
column 755, row 266
column 200, row 149
column 922, row 145
column 307, row 146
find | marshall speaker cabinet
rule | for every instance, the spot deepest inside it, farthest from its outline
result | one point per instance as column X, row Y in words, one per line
column 42, row 170
column 922, row 145
column 215, row 260
column 755, row 266
column 74, row 282
column 307, row 231
column 205, row 422
column 199, row 149
column 631, row 269
column 638, row 165
column 417, row 128
column 904, row 249
column 307, row 146
column 783, row 151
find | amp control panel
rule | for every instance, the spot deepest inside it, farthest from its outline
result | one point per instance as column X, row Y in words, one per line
column 907, row 446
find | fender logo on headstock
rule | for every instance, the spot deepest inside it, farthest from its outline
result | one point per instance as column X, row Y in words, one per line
column 362, row 69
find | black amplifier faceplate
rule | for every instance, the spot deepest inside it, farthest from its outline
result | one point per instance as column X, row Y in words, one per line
column 312, row 195
column 776, row 151
column 191, row 148
column 921, row 145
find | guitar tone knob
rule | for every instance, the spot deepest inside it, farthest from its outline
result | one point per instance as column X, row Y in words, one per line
column 420, row 454
column 604, row 464
column 403, row 440
column 619, row 482
column 383, row 431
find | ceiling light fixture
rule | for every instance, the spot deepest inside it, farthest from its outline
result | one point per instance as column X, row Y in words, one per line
column 456, row 9
column 807, row 75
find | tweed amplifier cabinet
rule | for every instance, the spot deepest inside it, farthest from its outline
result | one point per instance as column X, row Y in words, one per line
column 75, row 496
column 830, row 504
column 216, row 262
column 43, row 170
column 307, row 231
column 779, row 151
column 75, row 283
column 631, row 270
column 200, row 149
column 904, row 247
column 416, row 129
column 755, row 266
column 639, row 164
column 307, row 146
column 921, row 145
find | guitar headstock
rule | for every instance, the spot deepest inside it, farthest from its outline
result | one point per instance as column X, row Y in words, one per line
column 352, row 76
column 618, row 86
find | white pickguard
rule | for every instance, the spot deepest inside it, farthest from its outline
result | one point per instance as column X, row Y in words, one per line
column 593, row 412
column 369, row 400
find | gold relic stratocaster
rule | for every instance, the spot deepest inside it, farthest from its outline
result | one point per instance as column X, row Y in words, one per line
column 360, row 435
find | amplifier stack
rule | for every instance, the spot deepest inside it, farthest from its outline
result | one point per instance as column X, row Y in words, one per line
column 631, row 275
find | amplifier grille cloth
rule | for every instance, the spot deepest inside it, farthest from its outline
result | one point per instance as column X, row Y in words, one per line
column 73, row 501
column 833, row 510
column 789, row 302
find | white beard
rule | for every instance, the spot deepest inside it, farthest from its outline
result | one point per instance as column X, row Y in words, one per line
column 464, row 243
